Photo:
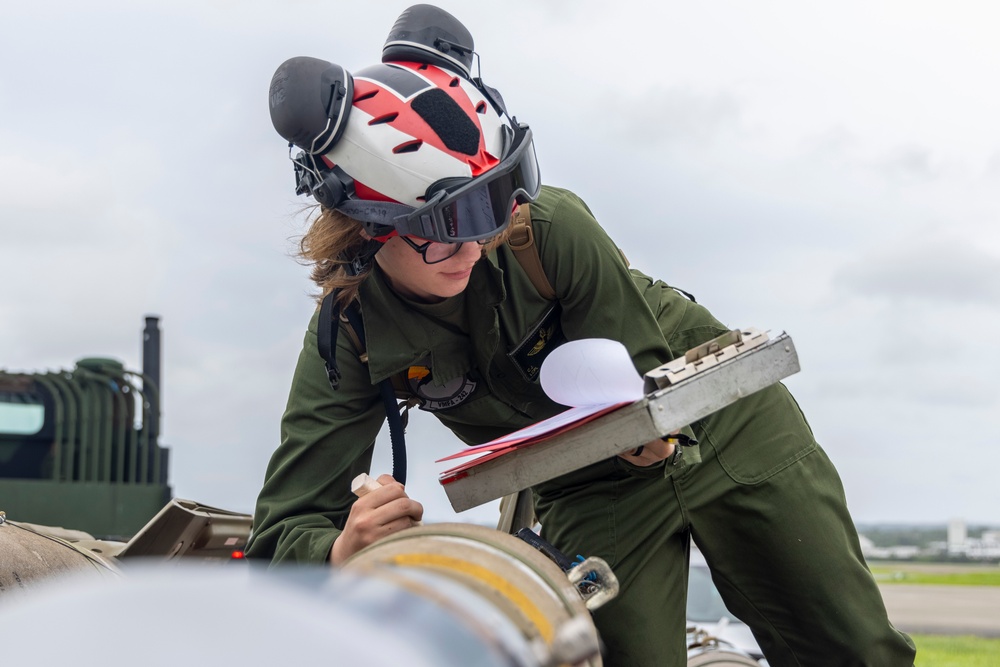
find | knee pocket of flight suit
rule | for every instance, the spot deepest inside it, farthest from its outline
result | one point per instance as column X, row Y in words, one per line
column 758, row 436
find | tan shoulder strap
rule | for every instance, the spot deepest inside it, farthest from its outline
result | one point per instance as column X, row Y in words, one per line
column 522, row 242
column 359, row 344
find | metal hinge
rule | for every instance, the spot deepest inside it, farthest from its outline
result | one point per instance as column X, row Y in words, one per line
column 705, row 356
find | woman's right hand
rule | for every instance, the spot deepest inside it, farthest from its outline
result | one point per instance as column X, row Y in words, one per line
column 375, row 515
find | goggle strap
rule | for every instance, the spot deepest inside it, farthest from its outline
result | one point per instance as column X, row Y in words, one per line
column 380, row 217
column 382, row 213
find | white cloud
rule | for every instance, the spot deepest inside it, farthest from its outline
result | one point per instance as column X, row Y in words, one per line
column 660, row 118
column 940, row 273
column 45, row 202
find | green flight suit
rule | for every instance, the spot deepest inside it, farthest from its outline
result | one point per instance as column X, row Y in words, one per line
column 764, row 504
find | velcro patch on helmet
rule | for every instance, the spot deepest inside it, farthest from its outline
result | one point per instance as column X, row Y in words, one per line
column 448, row 121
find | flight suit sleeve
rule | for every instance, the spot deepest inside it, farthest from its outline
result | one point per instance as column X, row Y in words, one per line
column 327, row 438
column 594, row 286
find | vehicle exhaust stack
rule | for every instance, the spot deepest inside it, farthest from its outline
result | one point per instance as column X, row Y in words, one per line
column 151, row 357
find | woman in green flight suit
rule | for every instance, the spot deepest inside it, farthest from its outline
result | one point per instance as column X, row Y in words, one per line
column 417, row 167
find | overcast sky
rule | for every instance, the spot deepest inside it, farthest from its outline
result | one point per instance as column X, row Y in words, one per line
column 832, row 171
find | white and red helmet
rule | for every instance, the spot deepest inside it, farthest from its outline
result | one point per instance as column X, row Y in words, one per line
column 407, row 146
column 412, row 125
column 415, row 144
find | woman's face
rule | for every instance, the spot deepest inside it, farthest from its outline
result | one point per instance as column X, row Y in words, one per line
column 412, row 277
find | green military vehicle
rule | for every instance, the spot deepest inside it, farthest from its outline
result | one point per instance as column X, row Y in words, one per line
column 81, row 447
column 84, row 479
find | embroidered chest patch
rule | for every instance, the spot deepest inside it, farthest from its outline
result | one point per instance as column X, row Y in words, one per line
column 433, row 398
column 542, row 339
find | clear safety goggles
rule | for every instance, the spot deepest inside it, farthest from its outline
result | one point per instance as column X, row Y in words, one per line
column 480, row 207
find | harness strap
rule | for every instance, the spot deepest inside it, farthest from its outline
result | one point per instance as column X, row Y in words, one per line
column 522, row 242
column 326, row 337
column 326, row 340
column 388, row 400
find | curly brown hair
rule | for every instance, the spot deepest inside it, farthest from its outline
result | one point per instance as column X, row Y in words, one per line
column 331, row 237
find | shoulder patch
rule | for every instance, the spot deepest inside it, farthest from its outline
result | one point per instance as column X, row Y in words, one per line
column 434, row 398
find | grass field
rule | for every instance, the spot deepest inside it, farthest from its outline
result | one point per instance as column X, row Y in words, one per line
column 936, row 573
column 937, row 651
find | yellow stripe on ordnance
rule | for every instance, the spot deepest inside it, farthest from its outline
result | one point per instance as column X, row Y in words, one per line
column 491, row 579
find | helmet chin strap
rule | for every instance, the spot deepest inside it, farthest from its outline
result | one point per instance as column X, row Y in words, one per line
column 361, row 260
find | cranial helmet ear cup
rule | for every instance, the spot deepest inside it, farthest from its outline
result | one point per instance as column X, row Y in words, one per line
column 428, row 34
column 310, row 100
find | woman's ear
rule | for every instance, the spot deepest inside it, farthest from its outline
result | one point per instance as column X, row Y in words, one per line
column 365, row 235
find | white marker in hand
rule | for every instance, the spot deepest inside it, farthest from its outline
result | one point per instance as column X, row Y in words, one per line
column 364, row 483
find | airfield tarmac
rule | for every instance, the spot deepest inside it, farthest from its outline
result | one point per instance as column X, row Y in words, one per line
column 944, row 610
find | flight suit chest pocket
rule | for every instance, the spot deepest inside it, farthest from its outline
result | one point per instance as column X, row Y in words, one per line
column 540, row 340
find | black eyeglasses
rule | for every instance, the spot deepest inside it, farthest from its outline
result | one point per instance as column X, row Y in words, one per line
column 433, row 252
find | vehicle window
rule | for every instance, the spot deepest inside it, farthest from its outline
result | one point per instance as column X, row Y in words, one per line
column 21, row 414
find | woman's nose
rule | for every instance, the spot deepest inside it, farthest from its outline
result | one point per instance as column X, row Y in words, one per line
column 470, row 250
